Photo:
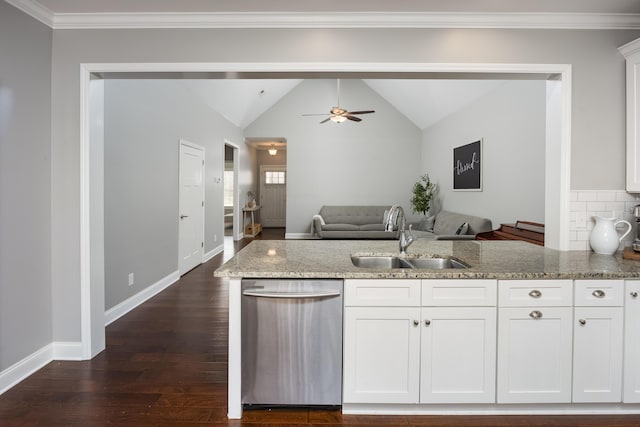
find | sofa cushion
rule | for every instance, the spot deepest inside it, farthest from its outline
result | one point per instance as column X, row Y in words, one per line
column 426, row 223
column 340, row 227
column 372, row 227
column 463, row 228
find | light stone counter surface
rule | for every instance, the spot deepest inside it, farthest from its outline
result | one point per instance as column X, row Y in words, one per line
column 487, row 260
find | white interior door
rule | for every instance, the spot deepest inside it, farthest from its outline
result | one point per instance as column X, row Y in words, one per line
column 191, row 216
column 273, row 195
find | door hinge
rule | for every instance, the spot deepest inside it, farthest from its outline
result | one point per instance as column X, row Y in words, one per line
column 202, row 244
column 203, row 203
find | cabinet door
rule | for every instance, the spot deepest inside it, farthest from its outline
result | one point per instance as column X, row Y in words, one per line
column 381, row 355
column 534, row 355
column 458, row 355
column 597, row 354
column 632, row 342
column 633, row 117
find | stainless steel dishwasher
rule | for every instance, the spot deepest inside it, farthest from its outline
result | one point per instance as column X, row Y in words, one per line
column 292, row 342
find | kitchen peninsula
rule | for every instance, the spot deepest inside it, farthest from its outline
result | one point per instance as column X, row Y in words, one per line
column 523, row 329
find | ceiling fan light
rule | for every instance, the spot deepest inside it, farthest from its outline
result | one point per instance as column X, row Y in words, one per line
column 338, row 119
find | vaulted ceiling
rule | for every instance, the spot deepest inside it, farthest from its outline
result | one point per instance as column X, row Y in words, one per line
column 423, row 102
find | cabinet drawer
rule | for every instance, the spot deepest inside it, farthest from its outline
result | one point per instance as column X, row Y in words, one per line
column 535, row 293
column 459, row 293
column 594, row 293
column 382, row 292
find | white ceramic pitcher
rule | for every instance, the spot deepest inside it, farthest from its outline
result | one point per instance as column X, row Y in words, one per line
column 604, row 238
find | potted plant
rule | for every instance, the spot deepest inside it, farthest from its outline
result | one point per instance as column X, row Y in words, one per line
column 422, row 194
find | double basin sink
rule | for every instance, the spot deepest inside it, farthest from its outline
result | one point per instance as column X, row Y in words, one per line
column 392, row 261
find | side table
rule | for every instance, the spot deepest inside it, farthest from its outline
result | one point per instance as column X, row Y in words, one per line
column 252, row 229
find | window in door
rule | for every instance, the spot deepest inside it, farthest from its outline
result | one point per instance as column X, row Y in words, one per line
column 274, row 177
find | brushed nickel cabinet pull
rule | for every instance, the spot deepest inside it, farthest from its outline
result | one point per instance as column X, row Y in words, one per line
column 582, row 322
column 598, row 293
column 535, row 314
column 416, row 323
column 634, row 294
column 535, row 293
column 427, row 322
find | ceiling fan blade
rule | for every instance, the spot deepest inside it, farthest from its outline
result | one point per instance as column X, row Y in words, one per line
column 362, row 112
column 353, row 118
column 325, row 120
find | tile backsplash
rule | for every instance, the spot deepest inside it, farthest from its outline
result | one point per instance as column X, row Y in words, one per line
column 585, row 204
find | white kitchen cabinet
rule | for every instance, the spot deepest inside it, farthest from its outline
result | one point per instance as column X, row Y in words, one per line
column 381, row 341
column 381, row 355
column 396, row 352
column 598, row 341
column 458, row 355
column 632, row 342
column 535, row 320
column 631, row 51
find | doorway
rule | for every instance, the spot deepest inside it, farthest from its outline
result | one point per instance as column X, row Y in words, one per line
column 91, row 228
column 231, row 188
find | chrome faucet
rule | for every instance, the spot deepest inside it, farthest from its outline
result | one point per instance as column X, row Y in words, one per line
column 405, row 239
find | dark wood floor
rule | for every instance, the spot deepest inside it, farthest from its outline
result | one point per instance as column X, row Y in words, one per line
column 166, row 365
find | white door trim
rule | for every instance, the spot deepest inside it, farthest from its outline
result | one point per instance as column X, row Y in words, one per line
column 237, row 232
column 184, row 142
column 559, row 146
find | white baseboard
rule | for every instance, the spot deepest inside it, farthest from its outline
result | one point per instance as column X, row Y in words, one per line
column 67, row 351
column 298, row 236
column 126, row 306
column 25, row 367
column 215, row 251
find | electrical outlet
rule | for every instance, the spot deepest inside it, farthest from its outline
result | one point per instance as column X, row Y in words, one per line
column 130, row 279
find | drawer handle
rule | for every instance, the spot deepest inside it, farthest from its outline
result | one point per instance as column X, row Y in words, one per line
column 427, row 322
column 416, row 322
column 598, row 293
column 535, row 293
column 634, row 294
column 582, row 322
column 535, row 314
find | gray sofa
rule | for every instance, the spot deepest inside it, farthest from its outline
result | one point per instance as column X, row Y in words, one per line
column 444, row 226
column 351, row 222
column 367, row 222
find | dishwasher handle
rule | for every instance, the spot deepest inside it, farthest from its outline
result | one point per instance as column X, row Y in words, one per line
column 291, row 295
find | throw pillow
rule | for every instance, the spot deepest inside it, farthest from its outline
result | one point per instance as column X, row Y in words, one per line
column 426, row 224
column 462, row 229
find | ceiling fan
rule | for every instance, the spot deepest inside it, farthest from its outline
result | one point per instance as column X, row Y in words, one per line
column 339, row 115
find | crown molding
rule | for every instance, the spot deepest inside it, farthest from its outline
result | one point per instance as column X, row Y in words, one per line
column 630, row 48
column 64, row 21
column 35, row 10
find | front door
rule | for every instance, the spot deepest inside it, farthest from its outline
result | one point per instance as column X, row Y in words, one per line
column 191, row 215
column 273, row 195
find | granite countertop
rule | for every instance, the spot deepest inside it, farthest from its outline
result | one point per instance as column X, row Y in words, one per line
column 487, row 260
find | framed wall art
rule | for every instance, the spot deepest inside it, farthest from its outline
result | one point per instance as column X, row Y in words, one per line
column 467, row 167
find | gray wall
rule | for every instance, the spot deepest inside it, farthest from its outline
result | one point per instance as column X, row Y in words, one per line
column 511, row 122
column 597, row 82
column 25, row 187
column 144, row 122
column 371, row 162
